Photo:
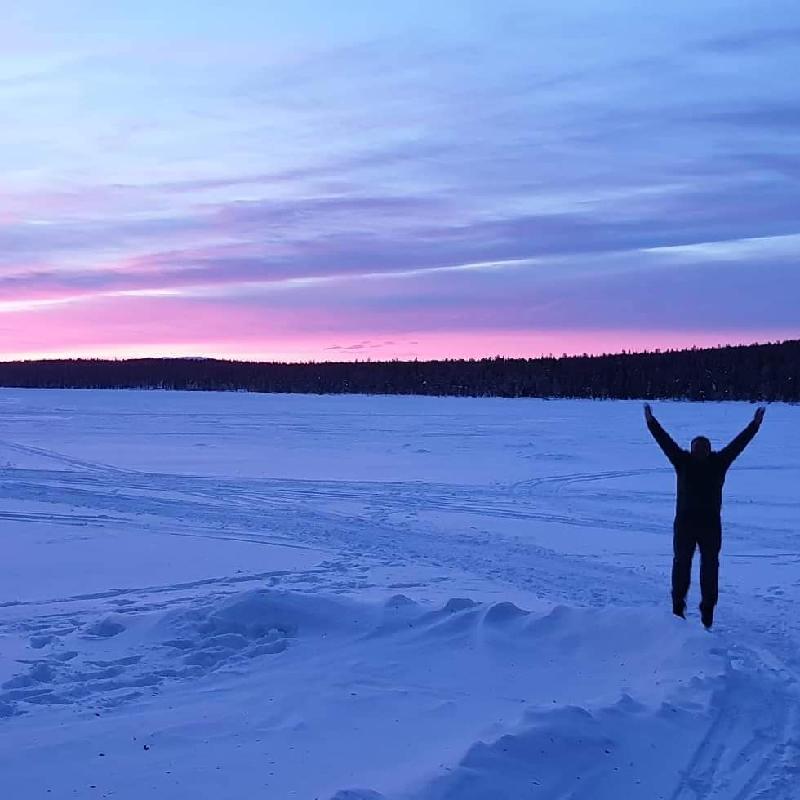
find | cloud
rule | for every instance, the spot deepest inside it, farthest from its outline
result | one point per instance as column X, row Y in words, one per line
column 736, row 43
column 296, row 244
column 358, row 346
column 781, row 116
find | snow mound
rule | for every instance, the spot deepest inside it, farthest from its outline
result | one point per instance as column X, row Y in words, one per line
column 105, row 628
column 258, row 613
column 568, row 752
column 624, row 749
column 458, row 700
column 503, row 613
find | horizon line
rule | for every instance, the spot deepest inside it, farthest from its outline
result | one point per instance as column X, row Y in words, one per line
column 542, row 357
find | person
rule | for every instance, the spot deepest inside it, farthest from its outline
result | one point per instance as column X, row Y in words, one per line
column 701, row 475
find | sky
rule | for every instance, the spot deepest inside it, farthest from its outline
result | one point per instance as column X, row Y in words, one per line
column 330, row 181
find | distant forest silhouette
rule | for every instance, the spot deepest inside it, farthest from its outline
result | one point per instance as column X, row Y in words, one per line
column 763, row 372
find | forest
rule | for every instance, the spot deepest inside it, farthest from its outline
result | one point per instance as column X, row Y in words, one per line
column 758, row 372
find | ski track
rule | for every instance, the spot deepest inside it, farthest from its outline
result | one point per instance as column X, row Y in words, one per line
column 750, row 749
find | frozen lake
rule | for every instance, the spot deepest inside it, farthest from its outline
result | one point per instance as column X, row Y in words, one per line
column 235, row 595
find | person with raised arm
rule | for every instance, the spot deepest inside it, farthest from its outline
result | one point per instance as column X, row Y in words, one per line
column 701, row 474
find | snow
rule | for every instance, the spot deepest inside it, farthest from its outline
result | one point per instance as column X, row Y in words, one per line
column 392, row 598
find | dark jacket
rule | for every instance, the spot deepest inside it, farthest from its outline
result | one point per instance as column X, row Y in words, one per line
column 700, row 481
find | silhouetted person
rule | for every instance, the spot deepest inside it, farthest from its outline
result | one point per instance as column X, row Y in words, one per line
column 701, row 475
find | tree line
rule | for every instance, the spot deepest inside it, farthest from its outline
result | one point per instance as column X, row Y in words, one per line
column 759, row 372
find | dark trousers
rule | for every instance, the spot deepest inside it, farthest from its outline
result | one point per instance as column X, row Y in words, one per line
column 689, row 536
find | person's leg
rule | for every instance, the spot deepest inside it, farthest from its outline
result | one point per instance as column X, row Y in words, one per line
column 683, row 546
column 709, row 542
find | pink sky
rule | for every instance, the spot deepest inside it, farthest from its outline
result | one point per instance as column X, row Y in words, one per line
column 146, row 326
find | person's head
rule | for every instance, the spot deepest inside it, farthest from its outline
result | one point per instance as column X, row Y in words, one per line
column 701, row 447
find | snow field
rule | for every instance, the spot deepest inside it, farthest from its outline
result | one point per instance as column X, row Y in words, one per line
column 227, row 596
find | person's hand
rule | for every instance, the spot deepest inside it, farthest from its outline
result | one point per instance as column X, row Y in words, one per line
column 758, row 417
column 648, row 412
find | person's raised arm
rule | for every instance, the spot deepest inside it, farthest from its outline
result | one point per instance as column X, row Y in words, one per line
column 665, row 441
column 733, row 450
